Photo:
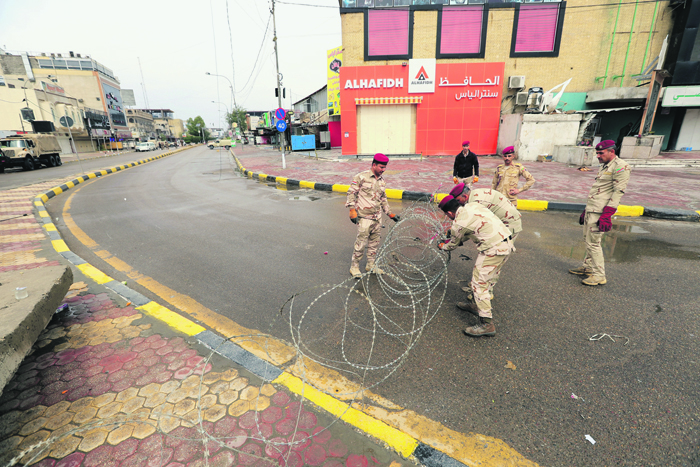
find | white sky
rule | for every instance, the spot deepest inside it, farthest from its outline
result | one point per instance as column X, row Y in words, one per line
column 175, row 43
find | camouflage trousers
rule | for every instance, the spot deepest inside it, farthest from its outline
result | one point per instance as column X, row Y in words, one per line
column 593, row 237
column 487, row 270
column 367, row 236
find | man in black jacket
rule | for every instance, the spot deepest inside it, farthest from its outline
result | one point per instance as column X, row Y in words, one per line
column 466, row 169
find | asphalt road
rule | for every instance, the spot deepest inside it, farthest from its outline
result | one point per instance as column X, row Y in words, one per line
column 15, row 177
column 243, row 247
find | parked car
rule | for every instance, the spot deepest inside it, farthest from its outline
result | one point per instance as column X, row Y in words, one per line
column 142, row 147
column 220, row 143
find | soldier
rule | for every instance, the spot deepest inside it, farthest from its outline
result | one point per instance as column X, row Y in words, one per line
column 497, row 204
column 508, row 174
column 596, row 219
column 366, row 200
column 466, row 167
column 474, row 221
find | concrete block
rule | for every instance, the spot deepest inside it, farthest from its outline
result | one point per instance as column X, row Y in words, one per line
column 574, row 155
column 23, row 320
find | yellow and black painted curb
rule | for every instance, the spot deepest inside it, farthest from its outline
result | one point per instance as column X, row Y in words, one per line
column 523, row 204
column 428, row 442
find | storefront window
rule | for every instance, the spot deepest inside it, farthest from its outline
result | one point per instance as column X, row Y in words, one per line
column 387, row 34
column 537, row 30
column 461, row 32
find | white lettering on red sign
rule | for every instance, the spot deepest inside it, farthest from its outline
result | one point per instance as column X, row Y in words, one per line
column 372, row 83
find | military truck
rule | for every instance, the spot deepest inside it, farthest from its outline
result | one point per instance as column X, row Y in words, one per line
column 29, row 151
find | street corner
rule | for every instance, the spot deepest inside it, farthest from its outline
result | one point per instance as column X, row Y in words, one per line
column 107, row 385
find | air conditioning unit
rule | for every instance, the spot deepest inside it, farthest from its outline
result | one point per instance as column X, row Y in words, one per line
column 521, row 98
column 516, row 82
column 534, row 100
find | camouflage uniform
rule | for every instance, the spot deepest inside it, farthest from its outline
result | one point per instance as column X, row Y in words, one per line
column 498, row 204
column 367, row 195
column 607, row 190
column 507, row 178
column 474, row 221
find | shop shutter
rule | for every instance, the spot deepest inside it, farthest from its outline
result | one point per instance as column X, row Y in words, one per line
column 537, row 28
column 387, row 32
column 460, row 31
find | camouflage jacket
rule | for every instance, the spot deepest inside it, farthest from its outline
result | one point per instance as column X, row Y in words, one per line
column 507, row 177
column 609, row 185
column 498, row 204
column 474, row 222
column 368, row 196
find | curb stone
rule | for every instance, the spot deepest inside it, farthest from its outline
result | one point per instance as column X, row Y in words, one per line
column 523, row 204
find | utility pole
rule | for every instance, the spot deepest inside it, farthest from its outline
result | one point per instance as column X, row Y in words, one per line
column 283, row 138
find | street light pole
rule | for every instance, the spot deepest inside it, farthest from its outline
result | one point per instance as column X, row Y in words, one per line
column 279, row 88
column 233, row 95
column 227, row 112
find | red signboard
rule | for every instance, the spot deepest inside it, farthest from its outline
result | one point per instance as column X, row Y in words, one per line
column 466, row 104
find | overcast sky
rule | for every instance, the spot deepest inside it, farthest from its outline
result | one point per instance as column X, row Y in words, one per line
column 178, row 41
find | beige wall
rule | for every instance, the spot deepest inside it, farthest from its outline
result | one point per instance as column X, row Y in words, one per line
column 176, row 127
column 583, row 54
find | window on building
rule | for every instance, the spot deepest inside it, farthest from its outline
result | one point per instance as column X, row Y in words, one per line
column 537, row 30
column 388, row 34
column 461, row 32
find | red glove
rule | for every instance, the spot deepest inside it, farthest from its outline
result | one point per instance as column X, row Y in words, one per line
column 441, row 243
column 476, row 179
column 582, row 219
column 394, row 217
column 454, row 179
column 605, row 221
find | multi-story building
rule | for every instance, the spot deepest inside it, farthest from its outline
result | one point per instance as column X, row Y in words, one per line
column 166, row 124
column 141, row 124
column 421, row 77
column 69, row 84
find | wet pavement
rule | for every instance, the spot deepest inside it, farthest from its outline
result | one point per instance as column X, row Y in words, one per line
column 677, row 188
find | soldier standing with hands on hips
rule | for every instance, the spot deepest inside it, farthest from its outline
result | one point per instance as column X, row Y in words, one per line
column 366, row 200
column 508, row 174
column 466, row 168
column 596, row 219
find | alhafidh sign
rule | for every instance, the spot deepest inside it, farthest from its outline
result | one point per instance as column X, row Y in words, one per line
column 681, row 96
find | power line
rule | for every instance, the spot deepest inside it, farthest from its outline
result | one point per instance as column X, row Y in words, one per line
column 262, row 43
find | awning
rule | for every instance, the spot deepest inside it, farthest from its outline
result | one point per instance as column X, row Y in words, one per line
column 617, row 109
column 388, row 100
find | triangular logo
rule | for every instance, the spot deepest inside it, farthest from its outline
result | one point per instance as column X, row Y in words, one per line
column 422, row 75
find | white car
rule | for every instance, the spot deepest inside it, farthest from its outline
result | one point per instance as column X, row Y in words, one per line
column 143, row 147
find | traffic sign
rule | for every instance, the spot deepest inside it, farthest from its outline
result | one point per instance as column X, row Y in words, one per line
column 66, row 121
column 281, row 125
column 280, row 113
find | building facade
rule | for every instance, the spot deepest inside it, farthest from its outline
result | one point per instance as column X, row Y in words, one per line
column 441, row 74
column 141, row 124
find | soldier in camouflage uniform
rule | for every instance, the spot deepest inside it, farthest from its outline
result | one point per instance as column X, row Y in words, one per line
column 603, row 199
column 497, row 204
column 476, row 222
column 508, row 174
column 366, row 200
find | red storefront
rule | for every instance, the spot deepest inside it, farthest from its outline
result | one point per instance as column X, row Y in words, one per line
column 398, row 109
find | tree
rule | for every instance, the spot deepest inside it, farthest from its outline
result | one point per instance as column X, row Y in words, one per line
column 238, row 116
column 195, row 128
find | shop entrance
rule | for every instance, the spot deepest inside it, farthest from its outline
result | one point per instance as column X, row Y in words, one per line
column 689, row 136
column 389, row 129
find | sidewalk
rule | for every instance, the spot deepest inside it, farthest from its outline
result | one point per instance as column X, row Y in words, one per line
column 660, row 188
column 107, row 385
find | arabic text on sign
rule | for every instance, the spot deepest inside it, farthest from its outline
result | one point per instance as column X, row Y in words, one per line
column 468, row 82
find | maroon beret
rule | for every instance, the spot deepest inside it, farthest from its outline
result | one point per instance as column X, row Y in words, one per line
column 445, row 200
column 457, row 190
column 509, row 150
column 605, row 144
column 380, row 158
column 465, row 143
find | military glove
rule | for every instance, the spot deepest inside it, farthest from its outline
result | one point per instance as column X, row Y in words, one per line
column 394, row 217
column 441, row 244
column 582, row 219
column 605, row 221
column 476, row 178
column 455, row 180
column 353, row 216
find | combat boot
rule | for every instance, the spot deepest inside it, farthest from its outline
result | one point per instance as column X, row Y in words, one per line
column 470, row 293
column 481, row 329
column 594, row 280
column 355, row 270
column 469, row 307
column 582, row 271
column 373, row 269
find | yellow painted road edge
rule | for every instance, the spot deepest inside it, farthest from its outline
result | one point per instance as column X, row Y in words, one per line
column 398, row 440
column 391, row 193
